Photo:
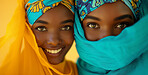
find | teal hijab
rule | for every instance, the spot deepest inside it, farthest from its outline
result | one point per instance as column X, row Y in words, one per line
column 36, row 8
column 125, row 54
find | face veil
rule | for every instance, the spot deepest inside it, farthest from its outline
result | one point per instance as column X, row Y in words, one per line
column 112, row 52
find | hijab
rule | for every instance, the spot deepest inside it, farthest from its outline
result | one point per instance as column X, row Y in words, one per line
column 111, row 53
column 36, row 8
column 19, row 52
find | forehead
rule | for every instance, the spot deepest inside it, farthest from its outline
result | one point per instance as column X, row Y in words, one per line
column 111, row 10
column 58, row 13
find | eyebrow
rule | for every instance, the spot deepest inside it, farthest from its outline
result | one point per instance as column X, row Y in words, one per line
column 41, row 21
column 67, row 21
column 92, row 17
column 123, row 17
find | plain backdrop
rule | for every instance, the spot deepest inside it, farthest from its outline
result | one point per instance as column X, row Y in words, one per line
column 7, row 8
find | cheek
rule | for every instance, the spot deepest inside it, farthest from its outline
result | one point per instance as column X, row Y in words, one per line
column 39, row 38
column 91, row 35
column 117, row 32
column 67, row 37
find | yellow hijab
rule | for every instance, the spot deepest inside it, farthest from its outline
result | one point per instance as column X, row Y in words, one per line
column 19, row 52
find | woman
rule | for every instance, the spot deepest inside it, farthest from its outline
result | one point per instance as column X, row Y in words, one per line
column 124, row 51
column 37, row 41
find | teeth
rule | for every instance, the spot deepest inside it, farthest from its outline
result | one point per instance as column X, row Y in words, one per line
column 53, row 51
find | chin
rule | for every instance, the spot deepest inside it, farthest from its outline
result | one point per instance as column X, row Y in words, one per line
column 55, row 57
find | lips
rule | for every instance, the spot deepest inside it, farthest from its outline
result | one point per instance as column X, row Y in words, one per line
column 54, row 51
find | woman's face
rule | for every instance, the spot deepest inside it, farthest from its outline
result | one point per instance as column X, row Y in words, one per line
column 107, row 20
column 54, row 33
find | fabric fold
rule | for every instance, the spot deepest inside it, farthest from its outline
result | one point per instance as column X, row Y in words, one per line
column 19, row 52
column 112, row 52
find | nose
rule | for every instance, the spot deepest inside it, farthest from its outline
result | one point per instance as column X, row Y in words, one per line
column 53, row 39
column 105, row 35
column 106, row 32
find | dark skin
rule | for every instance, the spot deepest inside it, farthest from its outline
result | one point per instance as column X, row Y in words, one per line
column 54, row 33
column 107, row 20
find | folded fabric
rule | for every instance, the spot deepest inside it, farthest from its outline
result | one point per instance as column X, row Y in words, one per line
column 20, row 54
column 125, row 54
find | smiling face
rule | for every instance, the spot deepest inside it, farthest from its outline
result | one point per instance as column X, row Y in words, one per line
column 54, row 33
column 107, row 20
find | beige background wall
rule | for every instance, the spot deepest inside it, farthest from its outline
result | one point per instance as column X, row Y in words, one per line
column 7, row 8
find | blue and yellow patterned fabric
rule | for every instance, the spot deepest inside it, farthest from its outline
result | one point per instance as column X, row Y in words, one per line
column 125, row 54
column 84, row 7
column 36, row 8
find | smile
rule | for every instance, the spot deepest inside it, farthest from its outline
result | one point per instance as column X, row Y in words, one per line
column 54, row 51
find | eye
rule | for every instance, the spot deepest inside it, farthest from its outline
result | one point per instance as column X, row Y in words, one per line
column 93, row 25
column 66, row 28
column 41, row 28
column 122, row 25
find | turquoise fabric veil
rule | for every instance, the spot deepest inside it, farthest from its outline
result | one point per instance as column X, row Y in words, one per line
column 112, row 52
column 34, row 8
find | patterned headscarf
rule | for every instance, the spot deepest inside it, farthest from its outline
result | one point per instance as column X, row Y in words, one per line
column 36, row 8
column 84, row 7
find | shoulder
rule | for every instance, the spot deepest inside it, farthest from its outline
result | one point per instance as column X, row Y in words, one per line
column 72, row 65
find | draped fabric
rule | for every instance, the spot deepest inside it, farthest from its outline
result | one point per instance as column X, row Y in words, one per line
column 144, row 7
column 20, row 54
column 125, row 54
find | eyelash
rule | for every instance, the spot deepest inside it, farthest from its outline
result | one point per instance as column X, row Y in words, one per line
column 41, row 28
column 93, row 25
column 66, row 28
column 123, row 25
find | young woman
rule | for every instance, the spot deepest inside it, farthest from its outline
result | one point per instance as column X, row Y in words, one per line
column 124, row 51
column 38, row 38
